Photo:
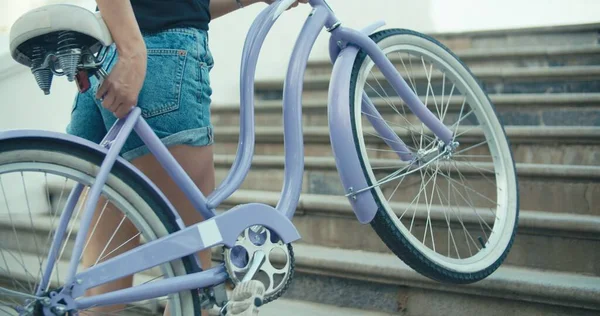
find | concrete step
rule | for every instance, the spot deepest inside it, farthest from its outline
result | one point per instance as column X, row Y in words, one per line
column 567, row 109
column 513, row 57
column 499, row 80
column 381, row 282
column 302, row 308
column 548, row 188
column 374, row 281
column 547, row 36
column 545, row 240
column 29, row 262
column 364, row 281
column 530, row 144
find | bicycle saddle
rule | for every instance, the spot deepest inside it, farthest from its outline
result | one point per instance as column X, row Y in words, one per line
column 61, row 40
column 40, row 26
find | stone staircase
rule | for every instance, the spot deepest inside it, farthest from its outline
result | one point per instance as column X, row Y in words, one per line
column 545, row 83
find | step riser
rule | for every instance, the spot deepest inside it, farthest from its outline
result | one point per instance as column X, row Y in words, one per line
column 549, row 153
column 531, row 116
column 520, row 39
column 29, row 242
column 496, row 62
column 490, row 86
column 535, row 249
column 541, row 194
column 408, row 300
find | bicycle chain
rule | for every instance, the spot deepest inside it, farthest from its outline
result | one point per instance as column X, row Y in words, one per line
column 288, row 282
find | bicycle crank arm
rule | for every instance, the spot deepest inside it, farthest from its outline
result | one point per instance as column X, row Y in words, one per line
column 257, row 260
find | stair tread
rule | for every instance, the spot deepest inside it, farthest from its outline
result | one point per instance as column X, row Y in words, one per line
column 303, row 308
column 523, row 169
column 480, row 72
column 533, row 99
column 549, row 284
column 511, row 52
column 336, row 204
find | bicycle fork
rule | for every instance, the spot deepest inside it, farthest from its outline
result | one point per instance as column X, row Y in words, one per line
column 344, row 47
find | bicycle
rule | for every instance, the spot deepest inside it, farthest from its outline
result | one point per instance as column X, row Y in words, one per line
column 427, row 148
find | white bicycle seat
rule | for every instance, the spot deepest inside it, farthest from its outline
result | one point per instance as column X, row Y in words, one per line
column 53, row 18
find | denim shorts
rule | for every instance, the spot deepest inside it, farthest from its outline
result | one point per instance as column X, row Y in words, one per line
column 175, row 98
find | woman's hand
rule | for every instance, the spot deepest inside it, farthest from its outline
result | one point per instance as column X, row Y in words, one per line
column 120, row 90
column 293, row 5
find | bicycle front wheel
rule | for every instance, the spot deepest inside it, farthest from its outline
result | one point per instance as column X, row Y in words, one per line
column 36, row 177
column 453, row 218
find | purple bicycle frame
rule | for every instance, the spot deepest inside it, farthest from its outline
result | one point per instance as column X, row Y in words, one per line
column 224, row 228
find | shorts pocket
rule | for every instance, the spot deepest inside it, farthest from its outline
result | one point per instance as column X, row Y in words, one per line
column 161, row 91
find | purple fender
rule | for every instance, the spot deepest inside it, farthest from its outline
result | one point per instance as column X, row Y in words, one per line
column 342, row 140
column 237, row 219
column 59, row 138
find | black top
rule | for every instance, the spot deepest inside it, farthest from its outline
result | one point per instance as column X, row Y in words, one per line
column 158, row 15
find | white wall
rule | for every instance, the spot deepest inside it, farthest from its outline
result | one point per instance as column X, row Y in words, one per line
column 467, row 15
column 228, row 33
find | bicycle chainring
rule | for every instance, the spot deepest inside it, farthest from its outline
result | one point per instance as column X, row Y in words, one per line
column 277, row 270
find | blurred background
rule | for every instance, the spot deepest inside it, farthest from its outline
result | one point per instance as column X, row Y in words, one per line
column 20, row 94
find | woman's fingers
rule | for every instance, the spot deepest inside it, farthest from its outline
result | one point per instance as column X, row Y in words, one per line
column 122, row 110
column 109, row 101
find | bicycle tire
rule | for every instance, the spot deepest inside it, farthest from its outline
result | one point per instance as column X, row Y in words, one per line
column 384, row 223
column 83, row 160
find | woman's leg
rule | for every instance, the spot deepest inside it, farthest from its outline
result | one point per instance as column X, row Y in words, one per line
column 198, row 164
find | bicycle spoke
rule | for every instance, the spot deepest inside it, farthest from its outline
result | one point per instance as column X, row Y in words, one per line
column 94, row 229
column 446, row 217
column 13, row 227
column 396, row 188
column 128, row 308
column 463, row 179
column 73, row 223
column 465, row 131
column 471, row 147
column 414, row 199
column 394, row 124
column 119, row 247
column 387, row 150
column 35, row 241
column 51, row 232
column 470, row 189
column 449, row 99
column 428, row 204
column 407, row 72
column 480, row 219
column 466, row 232
column 429, row 87
column 5, row 311
column 393, row 108
column 462, row 108
column 479, row 169
column 111, row 239
column 22, row 264
column 15, row 283
column 457, row 123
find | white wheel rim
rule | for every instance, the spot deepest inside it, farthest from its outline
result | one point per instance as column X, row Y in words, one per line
column 54, row 163
column 505, row 212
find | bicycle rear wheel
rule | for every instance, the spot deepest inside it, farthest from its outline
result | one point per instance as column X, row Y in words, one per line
column 36, row 177
column 453, row 220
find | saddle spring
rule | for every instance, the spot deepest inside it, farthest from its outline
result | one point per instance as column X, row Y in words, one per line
column 68, row 54
column 43, row 76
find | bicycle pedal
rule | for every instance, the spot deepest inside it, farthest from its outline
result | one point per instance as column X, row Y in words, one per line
column 246, row 298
